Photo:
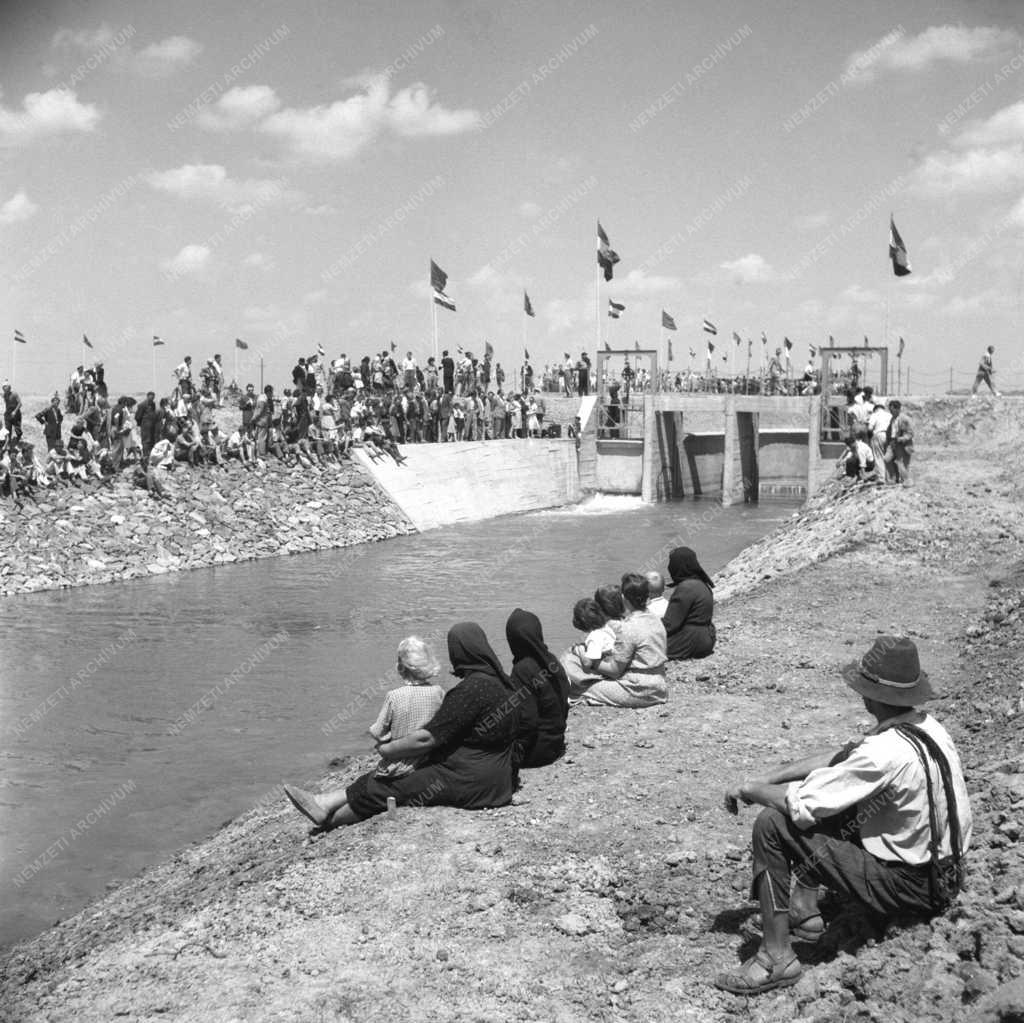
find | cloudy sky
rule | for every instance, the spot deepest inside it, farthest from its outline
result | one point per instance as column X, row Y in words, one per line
column 283, row 173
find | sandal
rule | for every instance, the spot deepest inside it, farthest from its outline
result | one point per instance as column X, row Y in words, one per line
column 805, row 928
column 777, row 974
column 307, row 804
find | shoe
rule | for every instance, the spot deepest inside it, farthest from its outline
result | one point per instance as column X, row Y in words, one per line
column 307, row 804
column 776, row 974
column 808, row 928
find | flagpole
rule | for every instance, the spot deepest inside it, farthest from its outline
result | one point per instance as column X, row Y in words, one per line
column 235, row 381
column 597, row 302
column 14, row 362
column 154, row 366
column 433, row 312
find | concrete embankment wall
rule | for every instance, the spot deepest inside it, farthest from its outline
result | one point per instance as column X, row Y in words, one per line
column 440, row 484
column 213, row 516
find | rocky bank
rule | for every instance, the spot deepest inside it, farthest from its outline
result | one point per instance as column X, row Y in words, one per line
column 213, row 516
column 615, row 885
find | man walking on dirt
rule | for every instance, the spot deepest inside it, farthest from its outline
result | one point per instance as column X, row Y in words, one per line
column 985, row 373
column 885, row 820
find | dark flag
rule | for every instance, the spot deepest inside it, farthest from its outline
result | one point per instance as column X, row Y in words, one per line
column 527, row 306
column 526, row 355
column 897, row 251
column 614, row 309
column 899, row 351
column 667, row 322
column 693, row 354
column 814, row 351
column 86, row 342
column 736, row 338
column 438, row 281
column 20, row 338
column 787, row 344
column 710, row 328
column 711, row 348
column 239, row 343
column 157, row 341
column 606, row 256
column 865, row 341
column 394, row 347
column 637, row 344
column 607, row 347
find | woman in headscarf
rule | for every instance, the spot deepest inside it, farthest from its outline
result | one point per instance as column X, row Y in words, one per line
column 541, row 685
column 468, row 746
column 688, row 625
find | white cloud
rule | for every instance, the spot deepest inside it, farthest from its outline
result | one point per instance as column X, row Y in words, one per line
column 259, row 260
column 192, row 259
column 158, row 60
column 865, row 296
column 340, row 130
column 946, row 173
column 636, row 282
column 954, row 44
column 1004, row 126
column 323, row 210
column 210, row 181
column 315, row 297
column 749, row 268
column 239, row 108
column 19, row 207
column 45, row 114
column 562, row 314
column 530, row 209
column 984, row 301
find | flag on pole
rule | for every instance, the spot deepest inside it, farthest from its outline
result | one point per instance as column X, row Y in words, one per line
column 488, row 350
column 831, row 341
column 764, row 339
column 20, row 338
column 394, row 347
column 711, row 348
column 526, row 355
column 527, row 305
column 710, row 328
column 636, row 345
column 899, row 351
column 897, row 251
column 865, row 341
column 157, row 341
column 320, row 350
column 606, row 256
column 239, row 343
column 607, row 347
column 86, row 342
column 670, row 349
column 614, row 309
column 438, row 281
column 736, row 338
column 693, row 354
column 787, row 344
column 814, row 351
column 667, row 322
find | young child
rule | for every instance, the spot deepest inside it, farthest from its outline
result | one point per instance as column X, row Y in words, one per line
column 409, row 707
column 579, row 660
column 657, row 604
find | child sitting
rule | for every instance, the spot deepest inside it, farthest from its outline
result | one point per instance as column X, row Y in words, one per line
column 657, row 603
column 580, row 659
column 409, row 707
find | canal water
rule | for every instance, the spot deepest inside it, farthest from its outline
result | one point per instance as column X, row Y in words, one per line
column 138, row 717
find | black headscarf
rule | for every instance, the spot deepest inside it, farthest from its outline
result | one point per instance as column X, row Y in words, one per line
column 526, row 639
column 469, row 652
column 683, row 564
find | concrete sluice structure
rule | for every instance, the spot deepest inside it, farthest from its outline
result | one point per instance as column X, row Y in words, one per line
column 738, row 448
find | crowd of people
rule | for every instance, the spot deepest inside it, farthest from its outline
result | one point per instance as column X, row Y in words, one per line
column 884, row 820
column 879, row 440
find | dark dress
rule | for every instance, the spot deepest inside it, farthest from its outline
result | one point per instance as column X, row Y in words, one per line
column 541, row 691
column 687, row 619
column 471, row 766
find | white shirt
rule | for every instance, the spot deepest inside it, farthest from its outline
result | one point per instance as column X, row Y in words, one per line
column 879, row 420
column 658, row 606
column 883, row 777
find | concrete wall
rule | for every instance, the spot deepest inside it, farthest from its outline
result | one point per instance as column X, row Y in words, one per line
column 620, row 466
column 440, row 484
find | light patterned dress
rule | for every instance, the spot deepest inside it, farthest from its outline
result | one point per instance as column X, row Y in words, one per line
column 405, row 710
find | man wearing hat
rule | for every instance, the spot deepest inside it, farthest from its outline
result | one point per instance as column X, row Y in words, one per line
column 872, row 821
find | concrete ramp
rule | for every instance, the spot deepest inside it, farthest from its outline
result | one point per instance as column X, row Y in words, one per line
column 440, row 484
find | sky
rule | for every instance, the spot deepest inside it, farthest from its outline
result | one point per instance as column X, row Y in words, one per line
column 284, row 172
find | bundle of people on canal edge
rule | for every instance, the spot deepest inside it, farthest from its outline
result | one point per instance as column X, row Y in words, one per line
column 884, row 820
column 879, row 440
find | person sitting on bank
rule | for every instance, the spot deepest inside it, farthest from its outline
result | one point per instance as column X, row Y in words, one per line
column 542, row 686
column 599, row 641
column 858, row 461
column 467, row 745
column 688, row 625
column 657, row 604
column 633, row 674
column 885, row 820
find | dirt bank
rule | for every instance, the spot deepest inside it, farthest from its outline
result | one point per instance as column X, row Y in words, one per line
column 615, row 886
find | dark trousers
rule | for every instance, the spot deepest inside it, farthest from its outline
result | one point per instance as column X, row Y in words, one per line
column 830, row 854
